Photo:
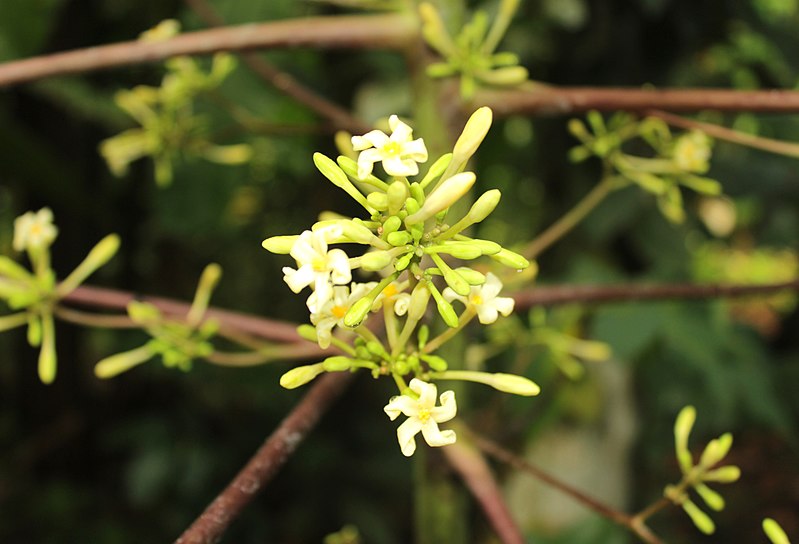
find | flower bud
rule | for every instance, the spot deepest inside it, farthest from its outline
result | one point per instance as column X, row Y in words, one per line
column 447, row 193
column 301, row 375
column 416, row 192
column 122, row 362
column 716, row 450
column 280, row 245
column 470, row 139
column 711, row 498
column 308, row 332
column 511, row 259
column 397, row 193
column 403, row 261
column 484, row 205
column 350, row 168
column 423, row 335
column 399, row 238
column 358, row 312
column 682, row 429
column 435, row 362
column 700, row 519
column 417, row 307
column 435, row 171
column 774, row 532
column 97, row 257
column 507, row 75
column 472, row 277
column 459, row 251
column 722, row 475
column 378, row 200
column 143, row 313
column 336, row 175
column 375, row 260
column 47, row 355
column 486, row 247
column 445, row 309
column 392, row 224
column 337, row 363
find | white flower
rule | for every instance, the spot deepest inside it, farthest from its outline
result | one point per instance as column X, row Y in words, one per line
column 393, row 294
column 34, row 230
column 398, row 153
column 317, row 266
column 484, row 299
column 423, row 415
column 692, row 152
column 332, row 312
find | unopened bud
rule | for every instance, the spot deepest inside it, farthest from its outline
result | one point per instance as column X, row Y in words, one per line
column 337, row 363
column 682, row 429
column 711, row 498
column 511, row 259
column 435, row 362
column 417, row 307
column 301, row 375
column 472, row 277
column 436, row 170
column 378, row 200
column 336, row 175
column 397, row 193
column 507, row 75
column 399, row 238
column 308, row 332
column 122, row 362
column 375, row 260
column 701, row 520
column 392, row 224
column 280, row 245
column 723, row 475
column 446, row 194
column 716, row 450
column 484, row 205
column 358, row 312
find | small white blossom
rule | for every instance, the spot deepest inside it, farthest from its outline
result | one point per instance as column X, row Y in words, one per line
column 398, row 152
column 331, row 314
column 692, row 152
column 317, row 267
column 34, row 230
column 484, row 299
column 423, row 416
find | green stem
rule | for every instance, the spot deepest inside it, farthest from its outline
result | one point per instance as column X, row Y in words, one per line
column 463, row 320
column 567, row 222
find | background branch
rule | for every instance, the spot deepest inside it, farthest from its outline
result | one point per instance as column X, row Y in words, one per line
column 545, row 100
column 390, row 31
column 285, row 82
column 270, row 457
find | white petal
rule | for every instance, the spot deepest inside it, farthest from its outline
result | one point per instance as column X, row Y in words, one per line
column 504, row 305
column 366, row 161
column 486, row 313
column 405, row 435
column 323, row 293
column 401, row 303
column 324, row 331
column 450, row 295
column 426, row 392
column 298, row 279
column 401, row 404
column 339, row 265
column 415, row 150
column 435, row 437
column 491, row 287
column 395, row 166
column 448, row 408
column 375, row 138
column 400, row 132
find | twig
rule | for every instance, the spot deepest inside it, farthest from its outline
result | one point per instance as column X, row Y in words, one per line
column 568, row 101
column 789, row 149
column 392, row 31
column 637, row 526
column 473, row 468
column 270, row 457
column 283, row 81
column 564, row 294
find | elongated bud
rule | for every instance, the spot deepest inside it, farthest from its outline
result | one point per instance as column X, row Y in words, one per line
column 486, row 247
column 459, row 251
column 423, row 335
column 716, row 450
column 308, row 332
column 507, row 75
column 417, row 307
column 774, row 532
column 484, row 205
column 470, row 139
column 350, row 232
column 701, row 520
column 436, row 170
column 280, row 245
column 350, row 168
column 434, row 31
column 507, row 383
column 97, row 257
column 416, row 192
column 10, row 269
column 337, row 363
column 443, row 196
column 122, row 362
column 378, row 201
column 392, row 224
column 444, row 308
column 336, row 175
column 399, row 238
column 511, row 259
column 375, row 260
column 47, row 355
column 682, row 429
column 205, row 288
column 358, row 312
column 301, row 375
column 472, row 277
column 435, row 362
column 711, row 498
column 722, row 475
column 397, row 193
column 143, row 313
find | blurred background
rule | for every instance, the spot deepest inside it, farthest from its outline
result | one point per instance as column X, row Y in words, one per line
column 136, row 458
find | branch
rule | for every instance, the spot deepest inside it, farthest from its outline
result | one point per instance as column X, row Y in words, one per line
column 635, row 525
column 270, row 457
column 541, row 100
column 283, row 81
column 564, row 294
column 391, row 31
column 467, row 461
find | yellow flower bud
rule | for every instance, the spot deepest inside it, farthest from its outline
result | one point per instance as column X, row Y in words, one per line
column 397, row 193
column 682, row 429
column 337, row 363
column 122, row 362
column 716, row 450
column 511, row 259
column 280, row 245
column 375, row 260
column 301, row 375
column 700, row 519
column 358, row 312
column 774, row 532
column 417, row 307
column 447, row 193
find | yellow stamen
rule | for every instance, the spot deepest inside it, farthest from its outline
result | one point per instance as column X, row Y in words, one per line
column 339, row 311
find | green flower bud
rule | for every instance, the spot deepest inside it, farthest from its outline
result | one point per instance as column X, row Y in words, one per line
column 397, row 193
column 375, row 260
column 505, row 76
column 447, row 193
column 511, row 259
column 379, row 201
column 507, row 383
column 435, row 362
column 8, row 322
column 472, row 277
column 10, row 269
column 774, row 532
column 423, row 335
column 392, row 224
column 716, row 450
column 143, row 313
column 377, row 349
column 403, row 261
column 301, row 375
column 336, row 175
column 208, row 280
column 308, row 332
column 417, row 193
column 47, row 355
column 722, row 475
column 711, row 498
column 337, row 363
column 700, row 519
column 97, row 257
column 702, row 185
column 350, row 168
column 280, row 245
column 399, row 238
column 417, row 307
column 484, row 205
column 445, row 309
column 412, row 206
column 486, row 247
column 682, row 429
column 435, row 171
column 459, row 251
column 122, row 362
column 434, row 31
column 358, row 312
column 470, row 139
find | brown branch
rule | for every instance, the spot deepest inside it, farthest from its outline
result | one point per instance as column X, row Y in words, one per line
column 637, row 526
column 283, row 81
column 564, row 294
column 467, row 460
column 270, row 457
column 789, row 149
column 569, row 101
column 393, row 31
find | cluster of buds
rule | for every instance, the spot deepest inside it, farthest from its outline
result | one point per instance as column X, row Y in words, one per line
column 33, row 295
column 413, row 244
column 678, row 161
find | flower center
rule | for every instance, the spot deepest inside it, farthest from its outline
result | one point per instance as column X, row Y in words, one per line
column 319, row 264
column 339, row 311
column 423, row 415
column 392, row 149
column 389, row 291
column 477, row 300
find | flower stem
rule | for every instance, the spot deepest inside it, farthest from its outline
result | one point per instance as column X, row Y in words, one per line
column 568, row 221
column 467, row 315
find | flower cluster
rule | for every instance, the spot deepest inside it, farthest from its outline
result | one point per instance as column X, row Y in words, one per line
column 416, row 248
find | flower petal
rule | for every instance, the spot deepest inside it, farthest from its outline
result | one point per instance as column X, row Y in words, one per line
column 298, row 279
column 435, row 437
column 366, row 161
column 504, row 305
column 415, row 150
column 401, row 404
column 396, row 166
column 448, row 408
column 400, row 132
column 486, row 313
column 405, row 435
column 339, row 265
column 426, row 392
